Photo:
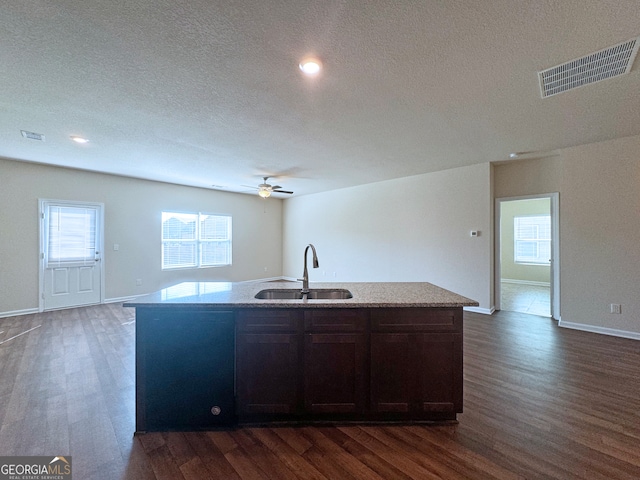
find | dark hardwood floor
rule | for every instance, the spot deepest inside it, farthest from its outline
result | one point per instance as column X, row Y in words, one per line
column 540, row 402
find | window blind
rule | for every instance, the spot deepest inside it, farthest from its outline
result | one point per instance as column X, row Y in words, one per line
column 71, row 235
column 532, row 237
column 195, row 240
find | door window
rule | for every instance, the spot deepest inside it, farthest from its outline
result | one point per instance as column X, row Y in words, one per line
column 71, row 234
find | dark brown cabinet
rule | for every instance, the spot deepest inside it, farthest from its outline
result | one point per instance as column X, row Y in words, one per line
column 296, row 364
column 416, row 362
column 268, row 373
column 416, row 373
column 268, row 359
column 392, row 373
column 335, row 362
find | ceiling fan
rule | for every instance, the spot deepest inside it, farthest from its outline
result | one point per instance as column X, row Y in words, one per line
column 265, row 190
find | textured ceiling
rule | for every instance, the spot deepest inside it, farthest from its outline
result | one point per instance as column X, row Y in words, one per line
column 203, row 92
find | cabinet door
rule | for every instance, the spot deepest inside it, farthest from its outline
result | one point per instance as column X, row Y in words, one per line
column 439, row 386
column 268, row 373
column 418, row 373
column 335, row 373
column 185, row 373
column 393, row 376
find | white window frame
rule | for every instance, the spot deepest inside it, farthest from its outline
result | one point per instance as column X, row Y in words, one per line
column 197, row 242
column 540, row 243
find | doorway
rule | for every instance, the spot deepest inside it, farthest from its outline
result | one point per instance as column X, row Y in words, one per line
column 71, row 270
column 527, row 258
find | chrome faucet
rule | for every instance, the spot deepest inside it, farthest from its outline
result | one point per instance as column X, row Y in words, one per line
column 305, row 274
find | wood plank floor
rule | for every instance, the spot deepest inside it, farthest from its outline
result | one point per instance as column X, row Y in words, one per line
column 540, row 402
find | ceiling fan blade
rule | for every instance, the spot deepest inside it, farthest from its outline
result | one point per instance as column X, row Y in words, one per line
column 282, row 191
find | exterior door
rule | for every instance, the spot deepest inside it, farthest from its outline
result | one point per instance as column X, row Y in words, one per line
column 70, row 257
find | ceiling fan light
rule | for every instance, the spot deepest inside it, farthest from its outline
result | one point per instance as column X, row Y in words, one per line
column 264, row 192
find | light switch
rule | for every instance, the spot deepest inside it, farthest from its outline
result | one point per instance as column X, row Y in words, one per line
column 116, row 247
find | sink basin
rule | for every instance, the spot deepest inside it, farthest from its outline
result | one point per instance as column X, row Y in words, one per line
column 296, row 294
column 329, row 294
column 279, row 294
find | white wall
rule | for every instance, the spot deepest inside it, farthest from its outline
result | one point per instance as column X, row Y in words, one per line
column 132, row 220
column 599, row 187
column 408, row 229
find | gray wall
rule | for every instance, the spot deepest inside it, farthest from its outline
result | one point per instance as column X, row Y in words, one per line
column 599, row 199
column 414, row 228
column 410, row 229
column 132, row 220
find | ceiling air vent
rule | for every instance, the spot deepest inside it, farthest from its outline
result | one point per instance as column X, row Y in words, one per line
column 607, row 63
column 32, row 135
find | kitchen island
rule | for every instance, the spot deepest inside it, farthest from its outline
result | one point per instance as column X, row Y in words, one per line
column 211, row 354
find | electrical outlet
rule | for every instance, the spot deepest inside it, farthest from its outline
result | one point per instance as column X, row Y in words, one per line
column 116, row 247
column 138, row 282
column 616, row 308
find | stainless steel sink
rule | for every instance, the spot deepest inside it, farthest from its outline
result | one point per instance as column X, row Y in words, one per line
column 279, row 294
column 329, row 294
column 296, row 294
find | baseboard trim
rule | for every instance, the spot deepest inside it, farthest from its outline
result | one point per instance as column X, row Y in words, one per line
column 601, row 330
column 525, row 282
column 17, row 313
column 121, row 299
column 262, row 280
column 483, row 311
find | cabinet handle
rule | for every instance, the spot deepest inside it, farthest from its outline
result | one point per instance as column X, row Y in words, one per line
column 216, row 410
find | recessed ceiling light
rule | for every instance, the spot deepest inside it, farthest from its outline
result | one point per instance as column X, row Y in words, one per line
column 310, row 66
column 78, row 139
column 514, row 155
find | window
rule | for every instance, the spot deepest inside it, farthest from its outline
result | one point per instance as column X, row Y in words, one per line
column 70, row 235
column 532, row 236
column 193, row 240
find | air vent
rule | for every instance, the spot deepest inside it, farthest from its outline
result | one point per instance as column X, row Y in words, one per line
column 32, row 135
column 607, row 63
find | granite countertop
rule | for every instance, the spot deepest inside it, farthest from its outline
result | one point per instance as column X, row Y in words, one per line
column 377, row 294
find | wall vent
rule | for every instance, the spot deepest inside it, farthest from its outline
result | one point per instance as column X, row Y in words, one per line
column 607, row 63
column 32, row 135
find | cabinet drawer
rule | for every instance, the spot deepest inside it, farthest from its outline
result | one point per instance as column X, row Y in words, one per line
column 335, row 320
column 416, row 319
column 269, row 320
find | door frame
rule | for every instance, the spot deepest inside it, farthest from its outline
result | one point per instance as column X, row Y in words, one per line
column 41, row 255
column 555, row 249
